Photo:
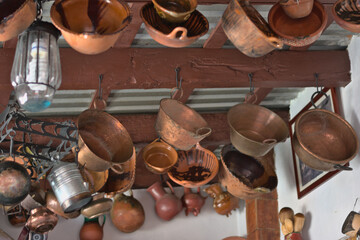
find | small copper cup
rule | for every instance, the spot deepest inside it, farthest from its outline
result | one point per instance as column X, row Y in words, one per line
column 175, row 11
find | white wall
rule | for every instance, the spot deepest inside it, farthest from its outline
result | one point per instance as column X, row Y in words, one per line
column 207, row 225
column 327, row 206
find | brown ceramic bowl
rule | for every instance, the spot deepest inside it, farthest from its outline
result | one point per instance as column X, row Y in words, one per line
column 347, row 14
column 298, row 32
column 195, row 167
column 159, row 157
column 173, row 35
column 297, row 8
column 90, row 27
column 175, row 11
column 15, row 17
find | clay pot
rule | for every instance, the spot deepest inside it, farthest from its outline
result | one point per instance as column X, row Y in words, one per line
column 351, row 225
column 248, row 30
column 298, row 32
column 167, row 205
column 15, row 17
column 92, row 230
column 346, row 14
column 90, row 27
column 127, row 213
column 175, row 11
column 297, row 8
column 224, row 202
column 174, row 35
column 192, row 202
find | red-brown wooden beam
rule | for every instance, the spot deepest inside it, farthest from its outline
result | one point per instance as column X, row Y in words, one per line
column 217, row 37
column 10, row 43
column 227, row 1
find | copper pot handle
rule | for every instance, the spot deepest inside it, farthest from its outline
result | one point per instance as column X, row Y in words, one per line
column 120, row 169
column 250, row 98
column 209, row 130
column 341, row 167
column 270, row 141
column 174, row 32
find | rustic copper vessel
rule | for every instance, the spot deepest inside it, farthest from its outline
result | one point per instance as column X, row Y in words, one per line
column 195, row 167
column 180, row 125
column 346, row 14
column 175, row 11
column 96, row 180
column 248, row 30
column 224, row 202
column 159, row 157
column 15, row 17
column 351, row 225
column 103, row 141
column 255, row 130
column 167, row 205
column 53, row 204
column 14, row 183
column 41, row 220
column 97, row 208
column 323, row 140
column 192, row 202
column 90, row 27
column 92, row 230
column 298, row 32
column 118, row 183
column 127, row 213
column 244, row 176
column 173, row 35
column 297, row 8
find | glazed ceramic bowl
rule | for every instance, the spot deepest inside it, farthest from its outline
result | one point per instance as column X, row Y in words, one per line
column 297, row 8
column 298, row 32
column 195, row 167
column 15, row 17
column 90, row 27
column 175, row 11
column 173, row 35
column 347, row 14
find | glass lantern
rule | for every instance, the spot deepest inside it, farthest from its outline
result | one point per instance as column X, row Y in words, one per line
column 36, row 70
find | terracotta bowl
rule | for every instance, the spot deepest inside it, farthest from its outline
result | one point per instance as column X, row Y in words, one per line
column 347, row 14
column 90, row 27
column 195, row 167
column 245, row 176
column 173, row 35
column 175, row 11
column 298, row 32
column 15, row 17
column 297, row 8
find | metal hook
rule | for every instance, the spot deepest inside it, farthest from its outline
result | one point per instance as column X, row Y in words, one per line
column 178, row 82
column 355, row 203
column 250, row 75
column 101, row 76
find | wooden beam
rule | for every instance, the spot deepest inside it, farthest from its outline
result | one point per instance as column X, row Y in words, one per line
column 217, row 37
column 128, row 34
column 10, row 43
column 256, row 2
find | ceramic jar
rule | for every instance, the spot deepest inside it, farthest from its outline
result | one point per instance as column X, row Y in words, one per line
column 224, row 202
column 92, row 230
column 192, row 202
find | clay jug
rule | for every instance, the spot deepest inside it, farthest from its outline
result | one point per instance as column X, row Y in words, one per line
column 192, row 201
column 92, row 230
column 167, row 205
column 224, row 202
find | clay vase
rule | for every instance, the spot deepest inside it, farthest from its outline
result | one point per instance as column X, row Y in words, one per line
column 192, row 201
column 167, row 205
column 92, row 230
column 224, row 202
column 127, row 213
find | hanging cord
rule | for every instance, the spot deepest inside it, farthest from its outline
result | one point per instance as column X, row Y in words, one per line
column 319, row 91
column 178, row 89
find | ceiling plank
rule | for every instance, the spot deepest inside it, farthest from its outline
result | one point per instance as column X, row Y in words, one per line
column 217, row 37
column 11, row 43
column 257, row 2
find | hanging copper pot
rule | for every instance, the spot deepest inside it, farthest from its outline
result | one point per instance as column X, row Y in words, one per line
column 180, row 125
column 41, row 220
column 53, row 204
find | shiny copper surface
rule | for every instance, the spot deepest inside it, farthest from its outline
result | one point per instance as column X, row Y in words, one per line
column 41, row 220
column 97, row 208
column 53, row 204
column 175, row 11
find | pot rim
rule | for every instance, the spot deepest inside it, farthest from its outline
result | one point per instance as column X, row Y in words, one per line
column 277, row 7
column 160, row 145
column 62, row 28
column 343, row 23
column 350, row 128
column 11, row 15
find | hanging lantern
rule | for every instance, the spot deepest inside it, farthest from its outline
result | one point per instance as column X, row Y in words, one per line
column 36, row 70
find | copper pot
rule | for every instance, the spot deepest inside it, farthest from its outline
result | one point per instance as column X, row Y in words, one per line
column 248, row 30
column 90, row 27
column 180, row 125
column 98, row 207
column 103, row 141
column 297, row 8
column 255, row 130
column 159, row 157
column 15, row 17
column 41, row 220
column 96, row 180
column 175, row 11
column 324, row 141
column 53, row 204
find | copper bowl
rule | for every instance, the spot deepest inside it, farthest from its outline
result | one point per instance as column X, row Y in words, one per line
column 90, row 27
column 173, row 35
column 195, row 167
column 245, row 176
column 346, row 13
column 159, row 157
column 298, row 32
column 41, row 220
column 297, row 8
column 15, row 17
column 175, row 11
column 323, row 140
